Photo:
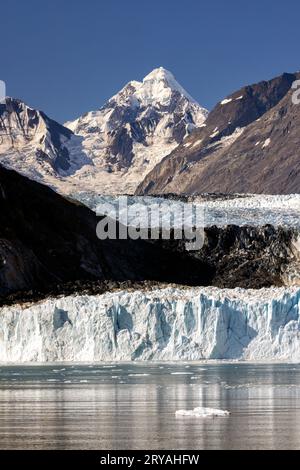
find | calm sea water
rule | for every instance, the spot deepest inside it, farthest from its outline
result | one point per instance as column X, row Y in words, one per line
column 132, row 406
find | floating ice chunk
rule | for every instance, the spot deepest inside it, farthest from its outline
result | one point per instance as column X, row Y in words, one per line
column 181, row 373
column 138, row 375
column 202, row 412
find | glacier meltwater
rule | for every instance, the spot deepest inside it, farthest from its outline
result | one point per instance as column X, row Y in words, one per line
column 168, row 324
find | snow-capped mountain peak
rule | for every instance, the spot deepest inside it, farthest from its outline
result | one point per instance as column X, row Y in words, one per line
column 107, row 151
column 135, row 129
column 158, row 85
column 35, row 145
column 155, row 89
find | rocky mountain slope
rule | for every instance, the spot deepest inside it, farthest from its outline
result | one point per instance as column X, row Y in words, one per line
column 134, row 130
column 249, row 144
column 47, row 240
column 114, row 147
column 37, row 146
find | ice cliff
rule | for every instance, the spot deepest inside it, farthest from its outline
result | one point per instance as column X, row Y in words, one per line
column 161, row 324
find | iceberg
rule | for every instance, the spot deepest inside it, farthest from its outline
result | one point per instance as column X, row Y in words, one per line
column 202, row 412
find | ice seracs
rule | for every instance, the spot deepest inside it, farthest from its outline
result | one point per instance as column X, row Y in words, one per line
column 167, row 324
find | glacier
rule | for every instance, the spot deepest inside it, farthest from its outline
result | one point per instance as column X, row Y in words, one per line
column 220, row 210
column 163, row 324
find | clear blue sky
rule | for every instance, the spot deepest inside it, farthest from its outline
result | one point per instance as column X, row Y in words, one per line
column 69, row 56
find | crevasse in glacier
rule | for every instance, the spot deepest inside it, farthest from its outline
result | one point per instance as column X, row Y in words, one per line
column 163, row 324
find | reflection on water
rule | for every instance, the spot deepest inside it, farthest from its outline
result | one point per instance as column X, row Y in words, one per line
column 131, row 406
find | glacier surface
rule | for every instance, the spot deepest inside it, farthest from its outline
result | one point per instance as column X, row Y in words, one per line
column 165, row 324
column 251, row 209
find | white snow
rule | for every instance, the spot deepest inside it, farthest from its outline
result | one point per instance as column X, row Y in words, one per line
column 227, row 100
column 27, row 145
column 266, row 143
column 215, row 133
column 240, row 97
column 253, row 209
column 154, row 95
column 146, row 111
column 228, row 140
column 202, row 412
column 170, row 323
column 197, row 143
column 157, row 87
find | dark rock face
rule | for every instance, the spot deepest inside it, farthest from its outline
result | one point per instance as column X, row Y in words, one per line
column 250, row 144
column 247, row 256
column 48, row 242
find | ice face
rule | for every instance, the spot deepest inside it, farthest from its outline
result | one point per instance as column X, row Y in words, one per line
column 163, row 324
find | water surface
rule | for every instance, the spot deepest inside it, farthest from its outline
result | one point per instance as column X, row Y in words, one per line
column 132, row 406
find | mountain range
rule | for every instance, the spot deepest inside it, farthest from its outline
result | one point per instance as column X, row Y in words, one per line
column 108, row 151
column 153, row 138
column 49, row 246
column 250, row 143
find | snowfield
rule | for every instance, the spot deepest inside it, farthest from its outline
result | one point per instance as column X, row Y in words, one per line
column 167, row 324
